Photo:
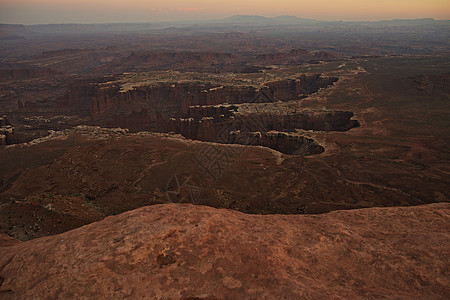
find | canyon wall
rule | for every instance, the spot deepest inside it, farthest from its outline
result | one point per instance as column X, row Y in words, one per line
column 111, row 106
column 24, row 73
column 210, row 112
column 221, row 124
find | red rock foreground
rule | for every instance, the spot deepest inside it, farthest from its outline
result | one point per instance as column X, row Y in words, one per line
column 180, row 251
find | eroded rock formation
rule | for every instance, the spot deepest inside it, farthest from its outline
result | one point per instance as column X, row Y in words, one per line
column 195, row 110
column 31, row 128
column 175, row 98
column 6, row 132
column 222, row 124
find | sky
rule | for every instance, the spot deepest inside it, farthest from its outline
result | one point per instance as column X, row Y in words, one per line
column 112, row 11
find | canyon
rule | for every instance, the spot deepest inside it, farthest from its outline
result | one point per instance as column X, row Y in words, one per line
column 210, row 112
column 200, row 110
column 333, row 128
column 240, row 158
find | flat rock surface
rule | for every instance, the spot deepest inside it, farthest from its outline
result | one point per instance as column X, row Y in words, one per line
column 182, row 251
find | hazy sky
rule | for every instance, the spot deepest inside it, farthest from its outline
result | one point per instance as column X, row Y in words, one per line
column 100, row 11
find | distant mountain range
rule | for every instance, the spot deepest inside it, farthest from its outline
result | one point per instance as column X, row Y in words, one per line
column 254, row 19
column 8, row 31
column 266, row 20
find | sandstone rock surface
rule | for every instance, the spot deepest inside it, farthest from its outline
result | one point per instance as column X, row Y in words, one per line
column 6, row 240
column 180, row 251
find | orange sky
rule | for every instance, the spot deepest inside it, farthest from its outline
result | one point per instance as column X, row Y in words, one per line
column 97, row 11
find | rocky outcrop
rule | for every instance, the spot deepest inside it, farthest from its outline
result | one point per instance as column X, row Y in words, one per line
column 4, row 121
column 194, row 252
column 6, row 135
column 6, row 132
column 33, row 127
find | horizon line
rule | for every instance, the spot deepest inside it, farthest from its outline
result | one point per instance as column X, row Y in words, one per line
column 225, row 18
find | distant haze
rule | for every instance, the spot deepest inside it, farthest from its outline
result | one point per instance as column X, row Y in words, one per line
column 112, row 11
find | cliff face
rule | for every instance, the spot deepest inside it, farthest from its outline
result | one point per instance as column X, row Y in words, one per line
column 168, row 98
column 201, row 109
column 282, row 142
column 195, row 252
column 222, row 124
column 24, row 73
column 79, row 95
column 207, row 112
column 110, row 104
column 144, row 108
column 154, row 104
